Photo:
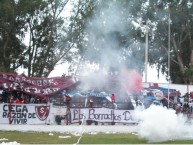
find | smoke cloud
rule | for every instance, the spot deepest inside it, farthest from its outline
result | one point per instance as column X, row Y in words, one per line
column 162, row 124
column 103, row 31
column 107, row 36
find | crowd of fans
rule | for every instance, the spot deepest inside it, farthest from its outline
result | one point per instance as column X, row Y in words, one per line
column 186, row 108
column 16, row 97
column 7, row 96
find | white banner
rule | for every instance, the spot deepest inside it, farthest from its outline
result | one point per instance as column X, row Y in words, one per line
column 102, row 115
column 43, row 114
column 24, row 113
column 58, row 110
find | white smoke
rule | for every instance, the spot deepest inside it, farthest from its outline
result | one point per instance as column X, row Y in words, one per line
column 103, row 32
column 162, row 124
column 106, row 32
column 93, row 80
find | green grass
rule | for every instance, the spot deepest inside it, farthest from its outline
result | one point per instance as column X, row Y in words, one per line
column 45, row 138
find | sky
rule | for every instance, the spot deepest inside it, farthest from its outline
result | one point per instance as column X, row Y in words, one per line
column 151, row 75
column 61, row 69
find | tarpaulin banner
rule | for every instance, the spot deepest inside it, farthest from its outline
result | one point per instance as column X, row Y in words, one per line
column 24, row 113
column 102, row 115
column 33, row 85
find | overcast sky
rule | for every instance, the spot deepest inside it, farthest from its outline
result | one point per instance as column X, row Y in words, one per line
column 151, row 75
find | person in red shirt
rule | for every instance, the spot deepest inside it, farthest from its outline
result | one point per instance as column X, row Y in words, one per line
column 17, row 101
column 113, row 98
column 21, row 101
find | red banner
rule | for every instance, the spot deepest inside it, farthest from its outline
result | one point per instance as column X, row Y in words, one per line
column 34, row 86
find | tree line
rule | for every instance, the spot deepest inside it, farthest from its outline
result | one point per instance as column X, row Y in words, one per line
column 39, row 34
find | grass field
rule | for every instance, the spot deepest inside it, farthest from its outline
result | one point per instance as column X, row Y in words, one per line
column 60, row 138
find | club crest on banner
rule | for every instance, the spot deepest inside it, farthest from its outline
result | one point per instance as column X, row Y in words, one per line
column 42, row 112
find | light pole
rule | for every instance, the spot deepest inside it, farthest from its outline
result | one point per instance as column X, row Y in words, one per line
column 146, row 52
column 145, row 29
column 169, row 31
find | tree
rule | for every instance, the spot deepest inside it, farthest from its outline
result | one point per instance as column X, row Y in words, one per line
column 11, row 46
column 181, row 37
column 50, row 40
column 98, row 32
column 49, row 35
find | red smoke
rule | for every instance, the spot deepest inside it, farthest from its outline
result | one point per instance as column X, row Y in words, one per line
column 131, row 81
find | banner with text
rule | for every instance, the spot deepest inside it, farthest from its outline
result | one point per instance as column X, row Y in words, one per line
column 24, row 114
column 102, row 115
column 33, row 85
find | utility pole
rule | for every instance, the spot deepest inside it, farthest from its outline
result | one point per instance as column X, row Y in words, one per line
column 145, row 29
column 146, row 52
